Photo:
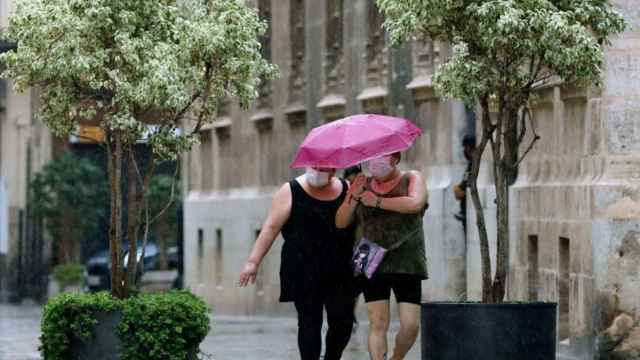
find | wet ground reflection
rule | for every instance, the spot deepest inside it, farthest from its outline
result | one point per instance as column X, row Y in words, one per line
column 231, row 338
column 249, row 338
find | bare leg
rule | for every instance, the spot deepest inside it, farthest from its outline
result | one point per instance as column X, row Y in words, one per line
column 378, row 327
column 409, row 327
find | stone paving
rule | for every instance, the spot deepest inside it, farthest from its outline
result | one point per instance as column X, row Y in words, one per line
column 231, row 338
column 19, row 332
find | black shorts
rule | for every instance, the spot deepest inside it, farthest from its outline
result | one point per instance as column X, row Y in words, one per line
column 406, row 288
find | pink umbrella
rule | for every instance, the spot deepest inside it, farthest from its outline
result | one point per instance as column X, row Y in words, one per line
column 355, row 139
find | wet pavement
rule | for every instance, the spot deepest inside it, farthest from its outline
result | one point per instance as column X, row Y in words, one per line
column 19, row 332
column 231, row 338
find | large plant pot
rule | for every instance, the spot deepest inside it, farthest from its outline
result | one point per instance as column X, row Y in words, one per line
column 463, row 331
column 104, row 343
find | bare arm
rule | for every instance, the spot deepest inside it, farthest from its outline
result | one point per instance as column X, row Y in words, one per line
column 414, row 203
column 344, row 216
column 278, row 216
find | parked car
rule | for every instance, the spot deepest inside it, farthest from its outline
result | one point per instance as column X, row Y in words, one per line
column 172, row 254
column 98, row 272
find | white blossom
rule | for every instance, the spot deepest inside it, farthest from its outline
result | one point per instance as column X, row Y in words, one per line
column 502, row 38
column 122, row 58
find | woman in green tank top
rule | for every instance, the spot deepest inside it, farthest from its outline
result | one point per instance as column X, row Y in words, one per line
column 388, row 208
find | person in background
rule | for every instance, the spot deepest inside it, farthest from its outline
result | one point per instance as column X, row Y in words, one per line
column 460, row 190
column 315, row 270
column 389, row 207
column 350, row 173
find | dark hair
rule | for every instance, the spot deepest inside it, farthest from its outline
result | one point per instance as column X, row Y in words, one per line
column 353, row 170
column 469, row 140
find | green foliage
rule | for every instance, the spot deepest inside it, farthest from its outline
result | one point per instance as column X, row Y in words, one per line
column 504, row 50
column 160, row 188
column 154, row 326
column 144, row 70
column 70, row 316
column 166, row 326
column 122, row 61
column 74, row 189
column 68, row 274
column 509, row 45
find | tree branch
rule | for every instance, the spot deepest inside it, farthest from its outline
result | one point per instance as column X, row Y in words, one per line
column 143, row 196
column 205, row 96
column 535, row 139
column 487, row 132
column 523, row 127
column 182, row 111
column 171, row 197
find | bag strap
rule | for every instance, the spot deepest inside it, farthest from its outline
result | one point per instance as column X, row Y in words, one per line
column 404, row 240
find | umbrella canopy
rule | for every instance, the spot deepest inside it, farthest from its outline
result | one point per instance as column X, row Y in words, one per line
column 355, row 139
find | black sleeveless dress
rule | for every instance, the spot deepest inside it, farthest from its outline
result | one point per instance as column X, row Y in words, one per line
column 315, row 253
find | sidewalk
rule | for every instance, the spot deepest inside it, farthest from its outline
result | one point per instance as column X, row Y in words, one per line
column 231, row 337
column 19, row 332
column 240, row 338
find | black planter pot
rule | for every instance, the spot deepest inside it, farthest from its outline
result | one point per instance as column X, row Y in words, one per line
column 104, row 343
column 510, row 331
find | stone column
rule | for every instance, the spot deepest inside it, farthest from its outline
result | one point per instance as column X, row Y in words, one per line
column 374, row 96
column 442, row 123
column 333, row 104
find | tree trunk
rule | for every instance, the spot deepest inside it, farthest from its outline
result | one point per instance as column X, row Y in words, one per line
column 61, row 243
column 115, row 151
column 487, row 132
column 502, row 243
column 507, row 171
column 133, row 218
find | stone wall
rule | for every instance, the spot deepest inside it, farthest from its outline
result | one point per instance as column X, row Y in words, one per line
column 576, row 203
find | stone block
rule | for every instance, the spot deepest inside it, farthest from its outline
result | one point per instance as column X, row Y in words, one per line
column 629, row 349
column 622, row 124
column 518, row 286
column 622, row 72
column 548, row 244
column 581, row 305
column 157, row 281
column 548, row 280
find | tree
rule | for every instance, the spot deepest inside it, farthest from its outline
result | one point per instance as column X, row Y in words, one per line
column 70, row 195
column 129, row 63
column 503, row 51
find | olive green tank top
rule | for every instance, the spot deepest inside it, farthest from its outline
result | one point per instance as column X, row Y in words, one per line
column 386, row 228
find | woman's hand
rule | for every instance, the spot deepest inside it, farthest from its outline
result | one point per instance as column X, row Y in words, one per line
column 368, row 199
column 358, row 185
column 344, row 215
column 248, row 274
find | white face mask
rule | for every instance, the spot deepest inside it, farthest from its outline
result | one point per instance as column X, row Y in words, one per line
column 380, row 167
column 317, row 178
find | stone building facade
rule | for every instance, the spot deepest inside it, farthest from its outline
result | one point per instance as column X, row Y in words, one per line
column 576, row 205
column 334, row 61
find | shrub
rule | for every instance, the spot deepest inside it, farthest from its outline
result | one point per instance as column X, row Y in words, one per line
column 68, row 274
column 167, row 326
